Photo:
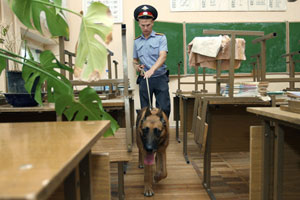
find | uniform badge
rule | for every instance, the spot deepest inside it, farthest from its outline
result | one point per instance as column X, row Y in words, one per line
column 145, row 8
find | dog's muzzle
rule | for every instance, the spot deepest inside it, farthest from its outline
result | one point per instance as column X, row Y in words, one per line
column 150, row 139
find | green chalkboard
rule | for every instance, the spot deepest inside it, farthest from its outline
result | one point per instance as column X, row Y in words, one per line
column 174, row 34
column 295, row 41
column 275, row 46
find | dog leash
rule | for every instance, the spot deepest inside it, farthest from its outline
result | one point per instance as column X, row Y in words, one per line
column 147, row 83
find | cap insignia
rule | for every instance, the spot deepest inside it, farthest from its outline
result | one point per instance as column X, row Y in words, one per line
column 145, row 8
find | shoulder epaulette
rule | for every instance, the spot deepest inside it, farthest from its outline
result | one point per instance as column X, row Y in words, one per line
column 159, row 34
column 138, row 37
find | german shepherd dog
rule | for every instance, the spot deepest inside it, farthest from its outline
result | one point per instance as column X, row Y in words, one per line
column 152, row 137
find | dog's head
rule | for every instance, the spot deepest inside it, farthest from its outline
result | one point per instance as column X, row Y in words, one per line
column 153, row 131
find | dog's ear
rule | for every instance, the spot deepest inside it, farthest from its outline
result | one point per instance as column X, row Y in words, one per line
column 138, row 111
column 161, row 116
column 140, row 116
column 147, row 113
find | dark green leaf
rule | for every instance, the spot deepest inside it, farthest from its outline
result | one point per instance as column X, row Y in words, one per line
column 22, row 9
column 2, row 64
column 57, row 84
column 113, row 124
column 62, row 102
column 29, row 11
column 87, row 107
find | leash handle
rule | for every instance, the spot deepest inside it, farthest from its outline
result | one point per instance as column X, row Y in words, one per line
column 147, row 82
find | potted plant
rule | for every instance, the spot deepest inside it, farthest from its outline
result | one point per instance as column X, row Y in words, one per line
column 16, row 93
column 97, row 21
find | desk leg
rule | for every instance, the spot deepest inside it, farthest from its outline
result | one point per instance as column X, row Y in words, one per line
column 77, row 186
column 129, row 136
column 121, row 180
column 267, row 159
column 207, row 160
column 201, row 139
column 70, row 186
column 176, row 110
column 185, row 130
column 85, row 178
column 278, row 162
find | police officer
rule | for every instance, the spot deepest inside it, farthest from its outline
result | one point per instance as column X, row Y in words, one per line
column 149, row 56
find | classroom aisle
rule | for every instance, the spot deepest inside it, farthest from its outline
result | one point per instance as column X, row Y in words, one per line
column 184, row 181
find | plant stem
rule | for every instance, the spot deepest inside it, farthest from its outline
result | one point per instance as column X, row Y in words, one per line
column 17, row 56
column 56, row 6
column 37, row 69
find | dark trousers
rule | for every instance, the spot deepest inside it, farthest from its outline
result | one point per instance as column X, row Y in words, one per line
column 159, row 86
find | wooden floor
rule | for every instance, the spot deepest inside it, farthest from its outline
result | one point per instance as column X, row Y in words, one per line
column 230, row 175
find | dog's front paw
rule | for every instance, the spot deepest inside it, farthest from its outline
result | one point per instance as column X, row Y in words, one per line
column 148, row 192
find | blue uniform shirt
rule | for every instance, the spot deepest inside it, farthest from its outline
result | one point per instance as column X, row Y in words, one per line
column 147, row 51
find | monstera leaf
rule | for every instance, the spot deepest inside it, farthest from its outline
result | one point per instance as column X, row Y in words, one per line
column 97, row 22
column 87, row 107
column 2, row 64
column 57, row 84
column 29, row 11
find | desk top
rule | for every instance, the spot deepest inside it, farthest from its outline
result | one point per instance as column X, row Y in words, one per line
column 276, row 113
column 213, row 98
column 50, row 107
column 218, row 100
column 47, row 107
column 36, row 157
column 192, row 94
column 113, row 102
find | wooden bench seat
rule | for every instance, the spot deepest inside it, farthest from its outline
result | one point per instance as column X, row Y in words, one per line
column 116, row 147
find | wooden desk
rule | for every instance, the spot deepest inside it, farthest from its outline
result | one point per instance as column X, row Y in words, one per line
column 28, row 114
column 115, row 107
column 228, row 128
column 37, row 157
column 182, row 100
column 280, row 153
column 184, row 103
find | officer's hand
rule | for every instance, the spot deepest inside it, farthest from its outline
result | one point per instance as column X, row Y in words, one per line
column 137, row 66
column 149, row 73
column 141, row 69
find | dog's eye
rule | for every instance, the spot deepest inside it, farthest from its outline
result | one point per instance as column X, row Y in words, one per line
column 145, row 130
column 156, row 132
